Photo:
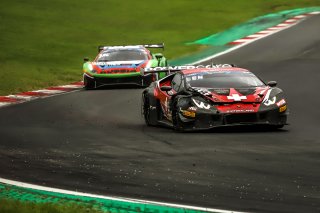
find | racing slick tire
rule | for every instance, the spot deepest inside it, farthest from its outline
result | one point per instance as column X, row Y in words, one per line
column 146, row 110
column 176, row 121
column 88, row 83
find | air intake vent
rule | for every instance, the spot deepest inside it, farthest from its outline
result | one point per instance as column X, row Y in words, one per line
column 246, row 91
column 221, row 91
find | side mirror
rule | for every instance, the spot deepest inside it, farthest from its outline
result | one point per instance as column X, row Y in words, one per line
column 86, row 59
column 166, row 88
column 272, row 83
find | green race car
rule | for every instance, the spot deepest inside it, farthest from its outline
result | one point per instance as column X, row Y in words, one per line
column 123, row 65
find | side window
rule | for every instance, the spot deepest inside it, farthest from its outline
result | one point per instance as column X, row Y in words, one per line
column 176, row 82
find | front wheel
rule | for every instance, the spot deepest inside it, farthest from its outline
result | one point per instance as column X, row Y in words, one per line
column 176, row 121
column 88, row 83
column 145, row 109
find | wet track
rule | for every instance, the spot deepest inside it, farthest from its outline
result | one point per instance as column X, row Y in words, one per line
column 96, row 141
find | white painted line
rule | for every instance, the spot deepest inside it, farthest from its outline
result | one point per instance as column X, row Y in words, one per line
column 300, row 16
column 48, row 91
column 275, row 28
column 244, row 40
column 283, row 25
column 5, row 103
column 315, row 13
column 138, row 201
column 267, row 31
column 291, row 20
column 255, row 36
column 24, row 97
column 71, row 86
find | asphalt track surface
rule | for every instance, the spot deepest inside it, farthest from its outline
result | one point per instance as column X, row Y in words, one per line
column 96, row 141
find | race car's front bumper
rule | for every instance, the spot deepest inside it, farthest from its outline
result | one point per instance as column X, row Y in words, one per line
column 139, row 80
column 208, row 120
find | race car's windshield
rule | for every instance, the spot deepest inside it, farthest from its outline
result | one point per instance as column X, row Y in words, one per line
column 226, row 79
column 122, row 55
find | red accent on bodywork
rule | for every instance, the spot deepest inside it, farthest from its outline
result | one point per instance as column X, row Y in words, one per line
column 238, row 108
column 251, row 98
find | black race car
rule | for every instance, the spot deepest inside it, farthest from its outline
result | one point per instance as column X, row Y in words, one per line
column 203, row 97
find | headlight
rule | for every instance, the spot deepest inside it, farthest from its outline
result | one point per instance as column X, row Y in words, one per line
column 91, row 68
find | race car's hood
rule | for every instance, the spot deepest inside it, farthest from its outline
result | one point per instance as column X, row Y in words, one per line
column 117, row 67
column 119, row 63
column 234, row 100
column 232, row 95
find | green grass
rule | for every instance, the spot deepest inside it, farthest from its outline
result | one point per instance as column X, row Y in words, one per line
column 12, row 206
column 43, row 42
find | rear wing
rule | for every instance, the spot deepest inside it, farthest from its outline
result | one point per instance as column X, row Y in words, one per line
column 171, row 69
column 161, row 45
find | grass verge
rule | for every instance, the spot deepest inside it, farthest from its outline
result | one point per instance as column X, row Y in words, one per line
column 14, row 206
column 43, row 42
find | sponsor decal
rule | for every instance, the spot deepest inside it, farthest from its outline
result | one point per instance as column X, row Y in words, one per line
column 281, row 102
column 266, row 101
column 116, row 71
column 202, row 91
column 187, row 113
column 236, row 97
column 104, row 55
column 270, row 101
column 186, row 67
column 200, row 104
column 192, row 108
column 117, row 63
column 239, row 110
column 283, row 108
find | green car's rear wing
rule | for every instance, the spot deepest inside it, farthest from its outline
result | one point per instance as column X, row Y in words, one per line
column 103, row 47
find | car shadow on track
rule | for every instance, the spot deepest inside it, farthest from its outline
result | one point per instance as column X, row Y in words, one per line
column 246, row 129
column 229, row 129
